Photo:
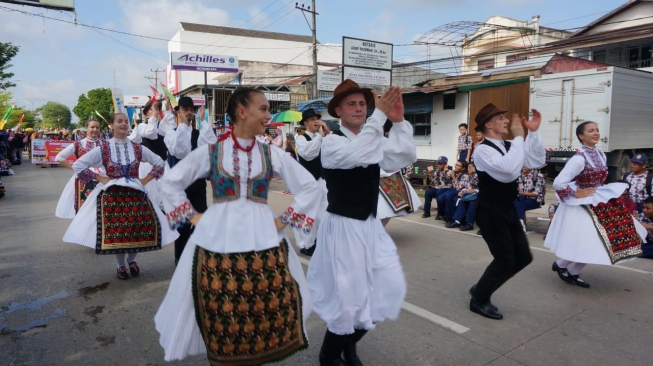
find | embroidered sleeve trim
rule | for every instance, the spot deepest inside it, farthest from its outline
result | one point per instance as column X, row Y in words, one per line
column 86, row 176
column 157, row 172
column 180, row 215
column 564, row 194
column 297, row 221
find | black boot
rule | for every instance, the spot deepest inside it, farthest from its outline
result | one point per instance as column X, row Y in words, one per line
column 331, row 350
column 350, row 348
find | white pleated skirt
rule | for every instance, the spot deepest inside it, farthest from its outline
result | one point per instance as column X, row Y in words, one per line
column 83, row 228
column 355, row 277
column 179, row 334
column 384, row 210
column 66, row 205
column 573, row 235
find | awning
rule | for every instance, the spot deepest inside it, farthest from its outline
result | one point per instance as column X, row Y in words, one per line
column 316, row 104
column 464, row 88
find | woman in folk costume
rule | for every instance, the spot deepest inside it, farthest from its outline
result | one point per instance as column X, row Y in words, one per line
column 591, row 224
column 75, row 192
column 238, row 293
column 397, row 197
column 119, row 217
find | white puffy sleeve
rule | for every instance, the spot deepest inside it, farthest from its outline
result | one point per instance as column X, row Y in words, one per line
column 338, row 152
column 83, row 166
column 563, row 182
column 178, row 141
column 189, row 169
column 135, row 136
column 207, row 135
column 150, row 129
column 158, row 165
column 65, row 153
column 301, row 214
column 399, row 149
column 534, row 153
column 167, row 124
column 308, row 150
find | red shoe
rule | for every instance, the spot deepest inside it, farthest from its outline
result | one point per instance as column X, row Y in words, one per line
column 122, row 273
column 134, row 270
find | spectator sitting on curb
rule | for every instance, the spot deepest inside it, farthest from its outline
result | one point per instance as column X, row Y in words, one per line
column 639, row 180
column 440, row 183
column 646, row 218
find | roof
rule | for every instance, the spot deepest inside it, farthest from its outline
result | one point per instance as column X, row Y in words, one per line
column 577, row 41
column 607, row 16
column 241, row 32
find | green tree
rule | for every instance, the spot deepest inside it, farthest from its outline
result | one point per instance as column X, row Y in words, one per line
column 7, row 52
column 55, row 115
column 95, row 100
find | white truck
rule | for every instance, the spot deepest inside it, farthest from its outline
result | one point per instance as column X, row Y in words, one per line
column 619, row 100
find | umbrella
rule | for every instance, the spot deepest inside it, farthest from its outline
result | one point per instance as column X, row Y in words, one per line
column 29, row 129
column 287, row 116
column 83, row 129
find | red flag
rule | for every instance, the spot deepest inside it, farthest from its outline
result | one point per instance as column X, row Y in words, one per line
column 20, row 120
column 155, row 98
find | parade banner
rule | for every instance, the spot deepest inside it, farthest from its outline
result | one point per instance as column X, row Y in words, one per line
column 45, row 151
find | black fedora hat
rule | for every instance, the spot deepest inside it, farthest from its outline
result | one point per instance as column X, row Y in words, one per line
column 185, row 102
column 308, row 114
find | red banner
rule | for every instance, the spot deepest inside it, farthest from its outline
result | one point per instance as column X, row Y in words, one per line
column 45, row 151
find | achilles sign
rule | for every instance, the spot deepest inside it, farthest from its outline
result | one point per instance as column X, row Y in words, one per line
column 135, row 100
column 202, row 62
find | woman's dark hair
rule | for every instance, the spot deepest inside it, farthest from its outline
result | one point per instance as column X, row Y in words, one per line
column 580, row 129
column 240, row 97
column 149, row 104
column 113, row 117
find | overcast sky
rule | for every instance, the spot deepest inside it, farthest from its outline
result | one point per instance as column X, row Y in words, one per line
column 59, row 61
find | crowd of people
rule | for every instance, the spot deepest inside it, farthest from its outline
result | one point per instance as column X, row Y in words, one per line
column 239, row 294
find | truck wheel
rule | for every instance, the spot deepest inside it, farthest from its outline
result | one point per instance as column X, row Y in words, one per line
column 616, row 172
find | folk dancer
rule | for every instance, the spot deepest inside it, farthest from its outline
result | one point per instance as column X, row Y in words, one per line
column 355, row 277
column 238, row 294
column 75, row 192
column 591, row 224
column 191, row 134
column 309, row 147
column 118, row 217
column 498, row 164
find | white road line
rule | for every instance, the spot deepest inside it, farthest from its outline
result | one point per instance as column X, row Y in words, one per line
column 425, row 314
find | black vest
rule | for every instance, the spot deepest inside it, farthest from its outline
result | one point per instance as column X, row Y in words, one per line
column 157, row 146
column 353, row 193
column 313, row 166
column 196, row 192
column 490, row 189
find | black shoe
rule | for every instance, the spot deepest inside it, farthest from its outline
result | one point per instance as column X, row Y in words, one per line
column 467, row 227
column 426, row 215
column 336, row 362
column 487, row 310
column 562, row 273
column 479, row 233
column 446, row 218
column 438, row 218
column 471, row 293
column 349, row 352
column 452, row 225
column 579, row 281
column 308, row 251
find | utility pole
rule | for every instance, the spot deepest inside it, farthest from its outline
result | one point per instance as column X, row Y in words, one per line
column 314, row 31
column 156, row 77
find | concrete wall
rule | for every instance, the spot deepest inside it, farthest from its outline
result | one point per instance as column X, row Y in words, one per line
column 444, row 128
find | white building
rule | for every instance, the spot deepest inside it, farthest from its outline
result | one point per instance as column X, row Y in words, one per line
column 500, row 39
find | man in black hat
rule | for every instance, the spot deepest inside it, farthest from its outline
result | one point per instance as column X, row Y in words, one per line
column 190, row 134
column 309, row 146
column 499, row 164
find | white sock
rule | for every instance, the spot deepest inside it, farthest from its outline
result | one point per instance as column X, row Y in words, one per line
column 131, row 257
column 563, row 263
column 576, row 268
column 120, row 260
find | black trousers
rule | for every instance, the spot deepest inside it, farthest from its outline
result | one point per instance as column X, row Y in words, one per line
column 185, row 231
column 504, row 235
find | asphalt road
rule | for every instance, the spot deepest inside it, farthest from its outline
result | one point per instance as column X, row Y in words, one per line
column 60, row 304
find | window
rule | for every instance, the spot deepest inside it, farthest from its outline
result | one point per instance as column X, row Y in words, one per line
column 486, row 64
column 599, row 56
column 639, row 56
column 421, row 125
column 511, row 59
column 450, row 101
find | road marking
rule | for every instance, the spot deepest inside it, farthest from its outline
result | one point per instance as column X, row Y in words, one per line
column 422, row 313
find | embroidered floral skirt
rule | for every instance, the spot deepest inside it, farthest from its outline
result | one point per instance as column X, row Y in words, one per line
column 82, row 191
column 616, row 229
column 248, row 306
column 126, row 222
